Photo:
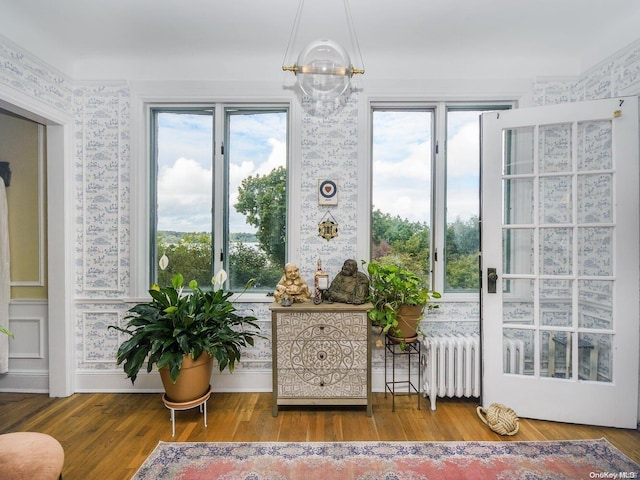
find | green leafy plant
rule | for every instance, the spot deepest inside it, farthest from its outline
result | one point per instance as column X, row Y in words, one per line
column 5, row 331
column 391, row 287
column 177, row 323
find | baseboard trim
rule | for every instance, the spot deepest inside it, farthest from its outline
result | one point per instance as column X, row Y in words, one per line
column 28, row 381
column 115, row 382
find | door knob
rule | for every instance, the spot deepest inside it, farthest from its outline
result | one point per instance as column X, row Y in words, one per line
column 492, row 280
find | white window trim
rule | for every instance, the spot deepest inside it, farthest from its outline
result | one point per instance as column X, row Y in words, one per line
column 140, row 174
column 438, row 223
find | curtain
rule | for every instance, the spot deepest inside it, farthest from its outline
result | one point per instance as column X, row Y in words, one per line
column 5, row 290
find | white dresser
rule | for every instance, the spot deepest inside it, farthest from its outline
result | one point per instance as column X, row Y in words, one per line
column 321, row 355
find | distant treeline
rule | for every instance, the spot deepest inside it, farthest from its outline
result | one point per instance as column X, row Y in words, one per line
column 170, row 236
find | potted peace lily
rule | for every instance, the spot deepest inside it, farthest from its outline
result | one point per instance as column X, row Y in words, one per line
column 399, row 299
column 181, row 332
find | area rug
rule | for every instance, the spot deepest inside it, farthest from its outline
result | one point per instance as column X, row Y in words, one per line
column 553, row 460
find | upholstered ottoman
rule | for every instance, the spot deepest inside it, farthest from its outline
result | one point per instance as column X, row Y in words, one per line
column 30, row 455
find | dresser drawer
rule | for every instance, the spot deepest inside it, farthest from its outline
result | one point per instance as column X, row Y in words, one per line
column 296, row 324
column 322, row 354
column 326, row 384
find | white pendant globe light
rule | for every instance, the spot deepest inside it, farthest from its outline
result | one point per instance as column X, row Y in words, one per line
column 323, row 68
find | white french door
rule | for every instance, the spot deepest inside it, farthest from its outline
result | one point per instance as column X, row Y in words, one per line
column 561, row 262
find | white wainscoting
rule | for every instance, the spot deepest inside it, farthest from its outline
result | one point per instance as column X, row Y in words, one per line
column 28, row 350
column 115, row 382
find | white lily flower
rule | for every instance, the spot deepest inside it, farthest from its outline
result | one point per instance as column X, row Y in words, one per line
column 219, row 279
column 164, row 262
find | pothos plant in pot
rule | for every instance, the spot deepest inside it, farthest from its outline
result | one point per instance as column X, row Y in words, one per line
column 399, row 299
column 179, row 330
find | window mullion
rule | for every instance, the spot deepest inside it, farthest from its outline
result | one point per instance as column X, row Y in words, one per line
column 220, row 189
column 438, row 204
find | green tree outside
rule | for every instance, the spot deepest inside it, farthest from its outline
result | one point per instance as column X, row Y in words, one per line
column 407, row 244
column 462, row 255
column 189, row 254
column 262, row 199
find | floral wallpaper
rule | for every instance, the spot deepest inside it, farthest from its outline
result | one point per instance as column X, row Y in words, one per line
column 102, row 190
column 618, row 75
column 26, row 74
column 329, row 149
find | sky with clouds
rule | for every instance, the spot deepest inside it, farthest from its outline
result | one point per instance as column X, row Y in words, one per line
column 401, row 164
column 257, row 145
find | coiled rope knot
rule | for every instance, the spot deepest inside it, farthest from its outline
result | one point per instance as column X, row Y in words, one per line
column 500, row 419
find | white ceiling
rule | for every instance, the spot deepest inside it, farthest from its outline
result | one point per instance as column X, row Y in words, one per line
column 229, row 38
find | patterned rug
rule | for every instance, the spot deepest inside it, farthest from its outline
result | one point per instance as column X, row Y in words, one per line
column 582, row 459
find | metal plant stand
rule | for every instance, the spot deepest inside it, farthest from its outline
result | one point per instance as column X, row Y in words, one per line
column 173, row 406
column 411, row 352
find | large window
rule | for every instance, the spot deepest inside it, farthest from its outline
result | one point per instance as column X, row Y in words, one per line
column 425, row 191
column 219, row 193
column 402, row 162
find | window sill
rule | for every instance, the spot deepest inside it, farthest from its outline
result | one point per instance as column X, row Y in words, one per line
column 252, row 298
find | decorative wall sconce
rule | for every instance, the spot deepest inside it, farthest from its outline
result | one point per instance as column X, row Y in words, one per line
column 324, row 69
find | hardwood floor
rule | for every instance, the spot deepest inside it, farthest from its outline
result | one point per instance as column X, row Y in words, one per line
column 108, row 436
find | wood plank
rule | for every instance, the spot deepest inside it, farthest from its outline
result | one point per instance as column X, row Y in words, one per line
column 110, row 435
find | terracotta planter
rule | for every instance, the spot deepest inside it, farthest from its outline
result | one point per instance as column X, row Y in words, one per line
column 193, row 381
column 408, row 319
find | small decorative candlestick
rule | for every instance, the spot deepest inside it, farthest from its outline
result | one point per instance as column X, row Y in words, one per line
column 321, row 283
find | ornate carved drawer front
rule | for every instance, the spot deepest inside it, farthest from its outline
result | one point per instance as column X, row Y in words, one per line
column 321, row 355
column 322, row 360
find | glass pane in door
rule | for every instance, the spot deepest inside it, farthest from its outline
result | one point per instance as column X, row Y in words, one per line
column 518, row 201
column 556, row 353
column 518, row 351
column 594, row 145
column 517, row 145
column 595, row 304
column 595, row 362
column 554, row 148
column 518, row 301
column 556, row 251
column 595, row 198
column 556, row 305
column 556, row 199
column 595, row 251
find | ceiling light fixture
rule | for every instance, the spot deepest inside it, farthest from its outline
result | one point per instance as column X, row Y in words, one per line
column 323, row 69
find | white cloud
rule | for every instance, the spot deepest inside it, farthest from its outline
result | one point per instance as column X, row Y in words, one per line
column 184, row 196
column 415, row 164
column 462, row 203
column 277, row 157
column 463, row 148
